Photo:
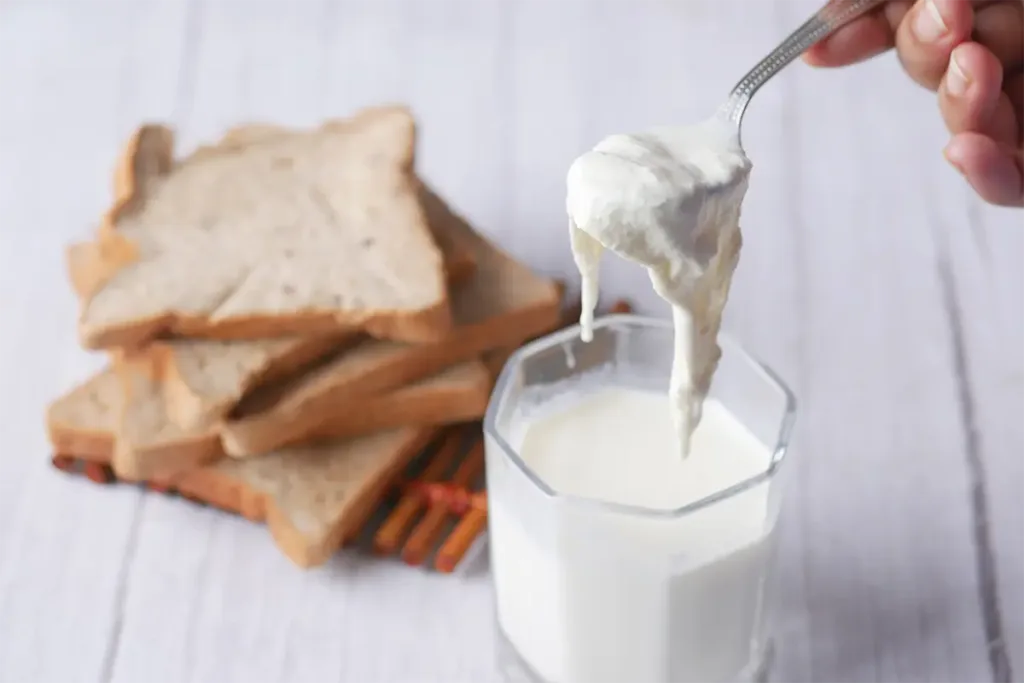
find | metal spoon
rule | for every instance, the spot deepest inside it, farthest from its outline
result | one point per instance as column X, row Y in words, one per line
column 826, row 21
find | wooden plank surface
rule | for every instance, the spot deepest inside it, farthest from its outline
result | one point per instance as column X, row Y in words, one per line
column 983, row 289
column 73, row 83
column 889, row 298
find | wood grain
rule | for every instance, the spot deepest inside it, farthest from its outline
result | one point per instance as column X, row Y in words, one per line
column 874, row 282
column 980, row 249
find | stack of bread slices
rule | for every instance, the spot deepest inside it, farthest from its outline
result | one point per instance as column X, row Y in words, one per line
column 289, row 317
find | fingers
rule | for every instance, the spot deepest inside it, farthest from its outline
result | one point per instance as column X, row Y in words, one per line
column 1013, row 86
column 927, row 36
column 925, row 32
column 862, row 39
column 985, row 121
column 972, row 53
column 970, row 91
column 999, row 26
column 995, row 172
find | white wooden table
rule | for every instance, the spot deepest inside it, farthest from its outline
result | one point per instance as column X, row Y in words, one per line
column 889, row 298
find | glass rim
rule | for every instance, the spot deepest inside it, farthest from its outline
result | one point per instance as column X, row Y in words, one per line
column 779, row 451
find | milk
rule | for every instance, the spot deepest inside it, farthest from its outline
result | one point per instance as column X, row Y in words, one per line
column 588, row 593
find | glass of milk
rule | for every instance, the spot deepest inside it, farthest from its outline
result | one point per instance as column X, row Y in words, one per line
column 614, row 558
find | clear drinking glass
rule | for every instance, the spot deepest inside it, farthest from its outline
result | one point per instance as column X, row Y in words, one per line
column 588, row 592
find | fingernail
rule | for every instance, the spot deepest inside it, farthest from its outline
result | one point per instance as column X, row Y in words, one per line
column 928, row 24
column 953, row 158
column 957, row 80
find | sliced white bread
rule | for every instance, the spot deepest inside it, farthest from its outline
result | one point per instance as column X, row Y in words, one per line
column 265, row 235
column 118, row 417
column 503, row 305
column 210, row 377
column 313, row 498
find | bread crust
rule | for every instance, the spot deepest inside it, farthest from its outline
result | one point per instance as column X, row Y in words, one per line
column 308, row 533
column 137, row 440
column 428, row 402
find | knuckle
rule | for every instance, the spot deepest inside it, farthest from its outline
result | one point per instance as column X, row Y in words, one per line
column 927, row 71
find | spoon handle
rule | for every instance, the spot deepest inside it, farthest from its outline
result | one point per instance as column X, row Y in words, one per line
column 829, row 19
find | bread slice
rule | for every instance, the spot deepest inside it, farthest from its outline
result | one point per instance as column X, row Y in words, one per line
column 313, row 498
column 503, row 305
column 456, row 394
column 457, row 251
column 148, row 445
column 305, row 233
column 119, row 416
column 209, row 377
column 83, row 421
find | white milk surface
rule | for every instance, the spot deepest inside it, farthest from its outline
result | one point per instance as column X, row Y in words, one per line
column 587, row 594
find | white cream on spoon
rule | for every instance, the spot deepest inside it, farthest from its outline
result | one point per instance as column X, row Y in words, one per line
column 668, row 199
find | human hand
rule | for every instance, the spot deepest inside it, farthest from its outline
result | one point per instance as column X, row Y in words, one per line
column 971, row 52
